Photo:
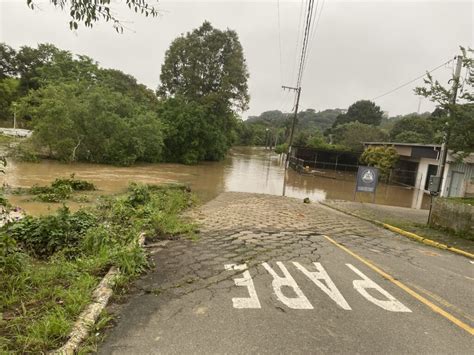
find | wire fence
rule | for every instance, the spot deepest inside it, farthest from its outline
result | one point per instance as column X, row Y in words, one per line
column 340, row 171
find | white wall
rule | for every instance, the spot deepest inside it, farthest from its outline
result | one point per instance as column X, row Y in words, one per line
column 423, row 170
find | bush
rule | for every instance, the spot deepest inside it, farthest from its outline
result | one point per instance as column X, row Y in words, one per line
column 383, row 157
column 281, row 148
column 43, row 236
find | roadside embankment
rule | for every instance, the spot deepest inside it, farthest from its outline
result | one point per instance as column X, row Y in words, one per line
column 408, row 220
column 51, row 266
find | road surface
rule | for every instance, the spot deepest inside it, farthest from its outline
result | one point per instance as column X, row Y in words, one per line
column 272, row 275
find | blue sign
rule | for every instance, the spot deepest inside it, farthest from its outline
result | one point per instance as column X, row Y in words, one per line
column 367, row 179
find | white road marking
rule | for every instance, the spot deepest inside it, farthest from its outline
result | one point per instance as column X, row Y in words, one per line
column 328, row 287
column 391, row 304
column 298, row 302
column 245, row 281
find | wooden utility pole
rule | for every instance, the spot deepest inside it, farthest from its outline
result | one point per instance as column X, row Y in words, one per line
column 293, row 124
column 444, row 147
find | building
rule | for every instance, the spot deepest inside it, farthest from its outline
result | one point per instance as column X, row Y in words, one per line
column 420, row 161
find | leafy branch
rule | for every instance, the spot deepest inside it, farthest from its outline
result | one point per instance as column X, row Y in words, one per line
column 90, row 11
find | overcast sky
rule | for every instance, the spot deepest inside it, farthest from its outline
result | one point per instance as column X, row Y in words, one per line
column 361, row 49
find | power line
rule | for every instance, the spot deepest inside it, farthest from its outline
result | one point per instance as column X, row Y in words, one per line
column 316, row 25
column 279, row 41
column 298, row 38
column 411, row 81
column 309, row 15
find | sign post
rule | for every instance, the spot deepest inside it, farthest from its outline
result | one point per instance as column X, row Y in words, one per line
column 367, row 180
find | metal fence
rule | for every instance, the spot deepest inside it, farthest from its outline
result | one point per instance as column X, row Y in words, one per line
column 348, row 171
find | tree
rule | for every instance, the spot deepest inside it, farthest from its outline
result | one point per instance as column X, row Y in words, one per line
column 8, row 94
column 74, row 121
column 203, row 82
column 455, row 120
column 382, row 157
column 90, row 11
column 352, row 135
column 364, row 111
column 7, row 61
column 412, row 129
column 206, row 61
column 193, row 133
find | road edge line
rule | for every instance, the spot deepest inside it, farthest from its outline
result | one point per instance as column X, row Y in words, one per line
column 405, row 233
column 88, row 317
column 405, row 288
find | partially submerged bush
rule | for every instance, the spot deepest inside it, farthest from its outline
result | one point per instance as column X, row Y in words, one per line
column 60, row 190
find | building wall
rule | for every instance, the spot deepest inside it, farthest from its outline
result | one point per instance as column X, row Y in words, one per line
column 422, row 172
column 467, row 188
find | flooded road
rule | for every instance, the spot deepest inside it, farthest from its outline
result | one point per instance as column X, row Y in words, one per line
column 245, row 170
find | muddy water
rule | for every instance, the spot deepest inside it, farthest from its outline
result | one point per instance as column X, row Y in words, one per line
column 244, row 170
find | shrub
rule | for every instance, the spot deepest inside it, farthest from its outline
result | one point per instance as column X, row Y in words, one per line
column 43, row 236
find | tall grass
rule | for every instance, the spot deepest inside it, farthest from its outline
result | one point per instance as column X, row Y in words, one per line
column 50, row 265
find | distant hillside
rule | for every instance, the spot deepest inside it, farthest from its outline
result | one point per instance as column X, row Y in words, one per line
column 307, row 120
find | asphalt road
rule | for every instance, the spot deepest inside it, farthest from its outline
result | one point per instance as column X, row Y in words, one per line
column 272, row 275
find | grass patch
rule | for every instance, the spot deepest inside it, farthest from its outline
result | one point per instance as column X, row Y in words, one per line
column 50, row 265
column 443, row 236
column 465, row 200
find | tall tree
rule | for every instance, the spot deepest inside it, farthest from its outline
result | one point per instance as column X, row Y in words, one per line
column 204, row 62
column 8, row 66
column 352, row 135
column 413, row 129
column 456, row 120
column 205, row 74
column 364, row 111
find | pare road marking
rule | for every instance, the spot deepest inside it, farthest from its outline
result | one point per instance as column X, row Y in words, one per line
column 405, row 288
column 320, row 278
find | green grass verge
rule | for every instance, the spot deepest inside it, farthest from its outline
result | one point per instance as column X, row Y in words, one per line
column 50, row 265
column 465, row 200
column 462, row 241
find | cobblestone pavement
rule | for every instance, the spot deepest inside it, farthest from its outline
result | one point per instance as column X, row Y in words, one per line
column 190, row 302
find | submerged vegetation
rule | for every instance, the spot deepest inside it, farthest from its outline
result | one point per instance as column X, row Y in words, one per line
column 79, row 111
column 49, row 265
column 59, row 191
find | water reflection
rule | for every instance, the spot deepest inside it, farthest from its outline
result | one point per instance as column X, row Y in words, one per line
column 244, row 170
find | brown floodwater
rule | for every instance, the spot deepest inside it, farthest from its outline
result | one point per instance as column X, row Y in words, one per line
column 245, row 170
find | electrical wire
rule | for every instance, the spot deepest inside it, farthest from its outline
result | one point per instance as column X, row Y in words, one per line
column 309, row 16
column 411, row 81
column 302, row 6
column 279, row 41
column 315, row 28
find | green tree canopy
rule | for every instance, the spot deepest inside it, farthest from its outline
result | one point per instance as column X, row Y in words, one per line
column 194, row 132
column 352, row 135
column 364, row 111
column 73, row 121
column 413, row 129
column 383, row 157
column 456, row 120
column 204, row 62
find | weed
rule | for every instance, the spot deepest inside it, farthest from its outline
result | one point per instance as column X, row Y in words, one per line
column 50, row 265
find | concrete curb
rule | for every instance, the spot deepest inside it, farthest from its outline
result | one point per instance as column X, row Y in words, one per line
column 88, row 317
column 405, row 233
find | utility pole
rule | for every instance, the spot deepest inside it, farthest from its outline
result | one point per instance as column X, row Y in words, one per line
column 14, row 115
column 444, row 147
column 298, row 92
